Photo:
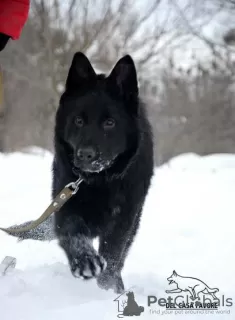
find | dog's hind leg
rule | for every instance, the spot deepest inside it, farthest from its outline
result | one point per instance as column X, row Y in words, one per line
column 206, row 291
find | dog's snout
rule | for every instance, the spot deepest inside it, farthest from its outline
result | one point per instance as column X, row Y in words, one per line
column 86, row 154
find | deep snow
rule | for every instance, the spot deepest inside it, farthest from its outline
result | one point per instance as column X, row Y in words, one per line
column 187, row 225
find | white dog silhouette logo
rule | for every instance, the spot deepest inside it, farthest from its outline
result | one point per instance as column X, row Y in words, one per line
column 192, row 285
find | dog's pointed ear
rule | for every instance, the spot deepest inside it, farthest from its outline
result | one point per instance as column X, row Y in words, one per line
column 124, row 78
column 175, row 273
column 80, row 73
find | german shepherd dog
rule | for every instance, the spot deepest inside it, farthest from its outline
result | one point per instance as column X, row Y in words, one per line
column 102, row 136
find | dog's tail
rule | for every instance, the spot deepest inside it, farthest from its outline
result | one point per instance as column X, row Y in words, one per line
column 43, row 232
column 212, row 290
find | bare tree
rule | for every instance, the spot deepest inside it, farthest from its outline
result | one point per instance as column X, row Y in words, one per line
column 197, row 15
column 195, row 113
column 123, row 304
column 36, row 66
column 185, row 110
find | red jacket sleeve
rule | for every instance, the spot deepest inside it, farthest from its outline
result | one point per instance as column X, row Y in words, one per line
column 13, row 15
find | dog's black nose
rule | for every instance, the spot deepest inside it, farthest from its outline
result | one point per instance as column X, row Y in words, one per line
column 86, row 154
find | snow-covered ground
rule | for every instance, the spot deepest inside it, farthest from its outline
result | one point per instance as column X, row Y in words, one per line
column 188, row 225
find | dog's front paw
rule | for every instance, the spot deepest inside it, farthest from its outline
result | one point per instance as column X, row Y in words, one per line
column 88, row 265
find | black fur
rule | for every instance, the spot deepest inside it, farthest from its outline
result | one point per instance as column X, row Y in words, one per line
column 109, row 202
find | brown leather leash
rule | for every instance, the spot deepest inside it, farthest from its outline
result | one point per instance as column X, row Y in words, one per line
column 65, row 194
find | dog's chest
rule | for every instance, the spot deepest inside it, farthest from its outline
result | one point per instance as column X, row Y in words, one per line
column 100, row 205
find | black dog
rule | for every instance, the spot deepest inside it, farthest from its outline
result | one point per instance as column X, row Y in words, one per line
column 132, row 308
column 103, row 136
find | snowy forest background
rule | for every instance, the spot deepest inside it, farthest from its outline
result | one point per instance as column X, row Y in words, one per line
column 183, row 51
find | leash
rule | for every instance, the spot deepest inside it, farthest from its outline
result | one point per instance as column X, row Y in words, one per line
column 65, row 194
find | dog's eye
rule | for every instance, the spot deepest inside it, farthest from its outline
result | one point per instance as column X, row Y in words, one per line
column 79, row 122
column 109, row 123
